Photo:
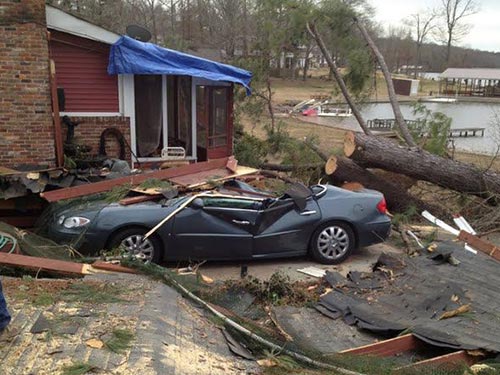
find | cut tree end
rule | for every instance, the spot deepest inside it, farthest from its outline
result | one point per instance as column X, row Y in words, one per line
column 331, row 165
column 352, row 186
column 349, row 144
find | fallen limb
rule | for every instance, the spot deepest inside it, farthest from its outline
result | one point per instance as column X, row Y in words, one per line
column 376, row 152
column 400, row 121
column 300, row 357
column 290, row 168
column 311, row 27
column 274, row 174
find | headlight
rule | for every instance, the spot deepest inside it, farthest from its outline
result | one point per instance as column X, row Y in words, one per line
column 73, row 222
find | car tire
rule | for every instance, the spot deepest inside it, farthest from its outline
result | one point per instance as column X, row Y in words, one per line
column 332, row 242
column 151, row 251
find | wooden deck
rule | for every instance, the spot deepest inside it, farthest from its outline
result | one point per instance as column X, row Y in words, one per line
column 467, row 132
column 386, row 126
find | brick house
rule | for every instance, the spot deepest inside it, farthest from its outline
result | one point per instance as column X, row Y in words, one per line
column 161, row 112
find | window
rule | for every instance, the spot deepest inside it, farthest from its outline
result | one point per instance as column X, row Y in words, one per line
column 148, row 114
column 217, row 131
column 184, row 113
column 223, row 202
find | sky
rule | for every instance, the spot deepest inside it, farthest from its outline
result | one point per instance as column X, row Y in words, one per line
column 484, row 35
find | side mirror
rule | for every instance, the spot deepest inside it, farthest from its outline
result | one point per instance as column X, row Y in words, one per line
column 197, row 203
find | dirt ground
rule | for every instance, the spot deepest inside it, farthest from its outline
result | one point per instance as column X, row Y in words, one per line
column 331, row 140
column 297, row 90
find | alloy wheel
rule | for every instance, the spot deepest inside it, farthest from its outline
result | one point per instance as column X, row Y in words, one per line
column 333, row 242
column 138, row 247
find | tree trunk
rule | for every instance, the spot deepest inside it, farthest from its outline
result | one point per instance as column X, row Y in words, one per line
column 400, row 121
column 398, row 200
column 289, row 168
column 333, row 69
column 417, row 61
column 379, row 153
column 347, row 174
column 307, row 60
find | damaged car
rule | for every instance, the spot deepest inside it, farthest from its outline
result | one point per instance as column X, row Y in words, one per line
column 324, row 221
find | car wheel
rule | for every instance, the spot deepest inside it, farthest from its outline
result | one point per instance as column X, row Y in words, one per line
column 332, row 243
column 131, row 240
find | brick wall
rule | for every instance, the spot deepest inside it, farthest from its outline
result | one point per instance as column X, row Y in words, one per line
column 26, row 127
column 88, row 132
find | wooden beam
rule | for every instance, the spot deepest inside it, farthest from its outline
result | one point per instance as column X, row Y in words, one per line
column 99, row 264
column 387, row 348
column 451, row 360
column 20, row 221
column 55, row 114
column 480, row 244
column 139, row 199
column 102, row 186
column 45, row 264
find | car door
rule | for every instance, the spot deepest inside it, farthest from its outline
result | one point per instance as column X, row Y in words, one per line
column 219, row 228
column 283, row 228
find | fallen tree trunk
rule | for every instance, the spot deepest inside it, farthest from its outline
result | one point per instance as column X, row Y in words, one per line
column 311, row 27
column 400, row 121
column 376, row 152
column 290, row 168
column 345, row 170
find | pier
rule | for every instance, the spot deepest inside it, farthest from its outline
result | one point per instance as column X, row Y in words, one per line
column 387, row 125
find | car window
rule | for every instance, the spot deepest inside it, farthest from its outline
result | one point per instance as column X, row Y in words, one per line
column 223, row 202
column 175, row 201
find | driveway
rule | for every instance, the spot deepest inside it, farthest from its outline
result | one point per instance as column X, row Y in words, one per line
column 57, row 318
column 362, row 261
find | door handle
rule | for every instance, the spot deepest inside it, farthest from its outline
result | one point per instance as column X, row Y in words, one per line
column 241, row 222
column 307, row 213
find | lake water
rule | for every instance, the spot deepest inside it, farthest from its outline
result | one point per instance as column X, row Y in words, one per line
column 463, row 114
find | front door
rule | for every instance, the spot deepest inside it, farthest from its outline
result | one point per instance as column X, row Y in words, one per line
column 214, row 121
column 284, row 229
column 221, row 229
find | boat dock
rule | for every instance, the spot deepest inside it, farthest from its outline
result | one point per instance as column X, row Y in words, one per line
column 387, row 125
column 467, row 132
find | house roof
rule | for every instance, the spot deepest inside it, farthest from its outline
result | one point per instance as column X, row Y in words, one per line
column 471, row 73
column 130, row 56
column 418, row 295
column 60, row 20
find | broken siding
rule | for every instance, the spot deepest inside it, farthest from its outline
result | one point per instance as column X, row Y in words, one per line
column 81, row 70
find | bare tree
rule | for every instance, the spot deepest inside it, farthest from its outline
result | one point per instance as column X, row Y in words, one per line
column 453, row 13
column 422, row 24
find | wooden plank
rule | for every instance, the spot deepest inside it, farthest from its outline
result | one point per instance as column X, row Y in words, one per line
column 99, row 264
column 455, row 359
column 139, row 199
column 386, row 348
column 55, row 114
column 20, row 221
column 45, row 264
column 480, row 244
column 99, row 187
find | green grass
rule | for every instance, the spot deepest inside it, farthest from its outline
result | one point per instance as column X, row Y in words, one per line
column 77, row 368
column 120, row 341
column 44, row 299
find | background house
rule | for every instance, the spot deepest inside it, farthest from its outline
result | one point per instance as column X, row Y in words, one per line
column 154, row 111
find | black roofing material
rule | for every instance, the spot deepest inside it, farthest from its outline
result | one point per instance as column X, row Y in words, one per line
column 414, row 297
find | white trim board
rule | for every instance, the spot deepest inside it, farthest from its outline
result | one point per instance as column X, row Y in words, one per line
column 65, row 22
column 91, row 114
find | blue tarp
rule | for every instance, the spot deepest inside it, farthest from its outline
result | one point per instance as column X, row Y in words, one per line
column 130, row 56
